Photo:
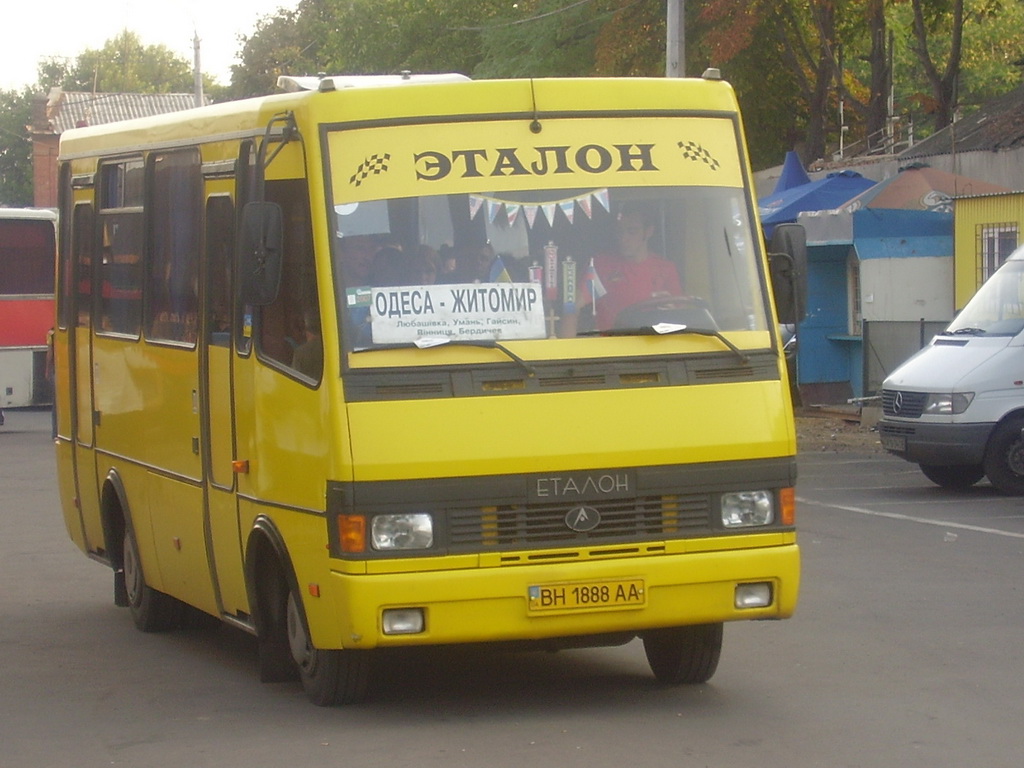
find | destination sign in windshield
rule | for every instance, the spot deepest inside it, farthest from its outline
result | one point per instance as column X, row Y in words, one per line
column 471, row 311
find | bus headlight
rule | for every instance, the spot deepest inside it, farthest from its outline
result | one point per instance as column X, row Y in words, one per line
column 403, row 531
column 747, row 508
column 948, row 403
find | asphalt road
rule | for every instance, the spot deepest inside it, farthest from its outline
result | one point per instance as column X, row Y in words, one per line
column 906, row 650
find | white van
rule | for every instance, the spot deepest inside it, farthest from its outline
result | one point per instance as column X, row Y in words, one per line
column 956, row 408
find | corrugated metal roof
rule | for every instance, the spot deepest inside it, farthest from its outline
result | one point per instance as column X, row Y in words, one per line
column 70, row 109
column 998, row 125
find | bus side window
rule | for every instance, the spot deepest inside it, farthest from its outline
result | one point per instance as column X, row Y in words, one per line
column 83, row 245
column 289, row 330
column 220, row 245
column 174, row 221
column 123, row 239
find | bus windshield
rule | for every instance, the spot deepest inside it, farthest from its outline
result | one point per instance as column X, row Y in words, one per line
column 496, row 257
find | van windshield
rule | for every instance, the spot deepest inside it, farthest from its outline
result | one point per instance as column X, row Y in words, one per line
column 662, row 243
column 997, row 309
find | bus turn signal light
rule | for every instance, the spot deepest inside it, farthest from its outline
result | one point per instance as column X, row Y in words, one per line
column 787, row 500
column 352, row 533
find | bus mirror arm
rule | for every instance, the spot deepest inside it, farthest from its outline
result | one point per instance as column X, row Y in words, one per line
column 259, row 256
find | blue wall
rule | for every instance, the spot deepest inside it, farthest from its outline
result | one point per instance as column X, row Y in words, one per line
column 826, row 351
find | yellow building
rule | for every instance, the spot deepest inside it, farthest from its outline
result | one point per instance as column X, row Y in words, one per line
column 986, row 229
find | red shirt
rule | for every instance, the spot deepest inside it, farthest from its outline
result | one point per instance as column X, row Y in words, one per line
column 630, row 282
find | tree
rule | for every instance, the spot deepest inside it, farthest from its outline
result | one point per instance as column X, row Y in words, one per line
column 122, row 65
column 15, row 149
column 932, row 22
column 540, row 38
column 280, row 45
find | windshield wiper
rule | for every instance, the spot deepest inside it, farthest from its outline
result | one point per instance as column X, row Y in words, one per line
column 427, row 342
column 966, row 332
column 663, row 329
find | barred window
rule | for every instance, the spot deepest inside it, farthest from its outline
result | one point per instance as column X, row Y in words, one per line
column 996, row 242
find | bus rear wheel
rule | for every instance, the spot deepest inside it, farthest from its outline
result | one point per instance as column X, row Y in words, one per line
column 1004, row 457
column 956, row 477
column 680, row 655
column 151, row 610
column 329, row 677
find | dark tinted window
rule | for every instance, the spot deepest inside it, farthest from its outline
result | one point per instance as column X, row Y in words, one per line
column 27, row 253
column 174, row 222
column 220, row 247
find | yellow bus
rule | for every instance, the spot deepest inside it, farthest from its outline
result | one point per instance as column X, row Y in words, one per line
column 416, row 360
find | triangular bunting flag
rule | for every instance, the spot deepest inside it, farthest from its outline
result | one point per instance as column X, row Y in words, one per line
column 549, row 212
column 568, row 207
column 475, row 204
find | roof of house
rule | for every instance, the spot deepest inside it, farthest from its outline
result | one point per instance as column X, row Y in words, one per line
column 997, row 125
column 73, row 109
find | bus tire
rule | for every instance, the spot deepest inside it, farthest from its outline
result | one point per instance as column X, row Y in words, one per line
column 1004, row 457
column 329, row 677
column 955, row 477
column 151, row 610
column 687, row 655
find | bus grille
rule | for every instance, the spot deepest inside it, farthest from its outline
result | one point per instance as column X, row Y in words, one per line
column 539, row 525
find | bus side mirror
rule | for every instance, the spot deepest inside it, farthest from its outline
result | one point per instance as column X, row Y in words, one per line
column 787, row 263
column 259, row 255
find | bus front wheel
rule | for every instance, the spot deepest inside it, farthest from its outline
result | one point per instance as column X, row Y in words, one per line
column 152, row 610
column 329, row 677
column 684, row 654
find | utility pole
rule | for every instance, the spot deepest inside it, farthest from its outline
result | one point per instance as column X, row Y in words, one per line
column 675, row 43
column 197, row 71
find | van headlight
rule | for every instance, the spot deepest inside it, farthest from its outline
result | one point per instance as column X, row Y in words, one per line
column 746, row 509
column 402, row 531
column 947, row 404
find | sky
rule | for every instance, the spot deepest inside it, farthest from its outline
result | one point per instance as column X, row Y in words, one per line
column 66, row 28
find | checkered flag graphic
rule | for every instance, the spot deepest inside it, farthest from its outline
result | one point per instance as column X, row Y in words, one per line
column 694, row 151
column 374, row 164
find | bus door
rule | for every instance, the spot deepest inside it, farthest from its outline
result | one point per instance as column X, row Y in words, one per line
column 83, row 245
column 217, row 404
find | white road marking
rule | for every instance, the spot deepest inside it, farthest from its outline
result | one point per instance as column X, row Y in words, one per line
column 913, row 519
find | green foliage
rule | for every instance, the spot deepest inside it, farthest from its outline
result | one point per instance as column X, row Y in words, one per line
column 15, row 149
column 122, row 65
column 535, row 39
column 279, row 45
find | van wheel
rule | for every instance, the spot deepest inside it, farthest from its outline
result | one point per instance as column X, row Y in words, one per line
column 684, row 654
column 329, row 677
column 956, row 477
column 1004, row 458
column 152, row 611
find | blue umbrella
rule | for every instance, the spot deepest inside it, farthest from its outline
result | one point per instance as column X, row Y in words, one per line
column 822, row 195
column 793, row 174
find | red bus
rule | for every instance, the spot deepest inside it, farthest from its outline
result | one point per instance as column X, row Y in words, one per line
column 27, row 252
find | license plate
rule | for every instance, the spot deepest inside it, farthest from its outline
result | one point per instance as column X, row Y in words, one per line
column 893, row 442
column 626, row 593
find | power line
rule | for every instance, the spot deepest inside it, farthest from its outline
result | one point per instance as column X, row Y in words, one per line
column 527, row 20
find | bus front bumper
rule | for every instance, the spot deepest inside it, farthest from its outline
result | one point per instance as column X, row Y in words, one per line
column 558, row 600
